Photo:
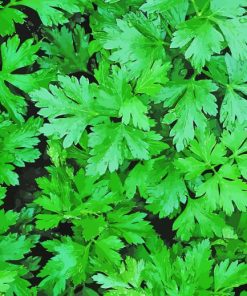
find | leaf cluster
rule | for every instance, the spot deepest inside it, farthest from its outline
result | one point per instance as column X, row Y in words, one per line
column 142, row 108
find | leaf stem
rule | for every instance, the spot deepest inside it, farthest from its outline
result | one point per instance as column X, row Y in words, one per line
column 204, row 7
column 168, row 31
column 195, row 7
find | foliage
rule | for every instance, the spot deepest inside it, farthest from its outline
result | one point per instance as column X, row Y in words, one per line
column 133, row 116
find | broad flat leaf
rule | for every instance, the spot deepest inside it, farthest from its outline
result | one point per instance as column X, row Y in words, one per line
column 7, row 219
column 69, row 262
column 129, row 276
column 58, row 198
column 9, row 16
column 138, row 179
column 165, row 197
column 135, row 42
column 193, row 272
column 6, row 278
column 92, row 226
column 177, row 13
column 221, row 188
column 66, row 50
column 48, row 11
column 228, row 8
column 2, row 194
column 203, row 40
column 69, row 108
column 186, row 100
column 236, row 142
column 131, row 226
column 228, row 275
column 18, row 143
column 13, row 247
column 13, row 275
column 204, row 34
column 111, row 281
column 47, row 221
column 160, row 183
column 233, row 108
column 234, row 105
column 15, row 56
column 159, row 271
column 238, row 44
column 133, row 110
column 225, row 190
column 107, row 249
column 206, row 154
column 152, row 79
column 197, row 220
column 12, row 281
column 116, row 99
column 112, row 143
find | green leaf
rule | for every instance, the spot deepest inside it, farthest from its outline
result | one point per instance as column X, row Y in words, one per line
column 152, row 79
column 131, row 226
column 111, row 143
column 160, row 5
column 187, row 99
column 11, row 281
column 9, row 16
column 49, row 12
column 203, row 40
column 212, row 30
column 221, row 188
column 13, row 247
column 16, row 56
column 234, row 105
column 6, row 278
column 129, row 277
column 193, row 272
column 7, row 219
column 160, row 183
column 236, row 142
column 2, row 194
column 47, row 221
column 92, row 227
column 196, row 219
column 18, row 143
column 66, row 50
column 134, row 110
column 69, row 108
column 165, row 194
column 228, row 8
column 224, row 190
column 206, row 154
column 135, row 42
column 69, row 263
column 229, row 275
column 107, row 249
column 116, row 99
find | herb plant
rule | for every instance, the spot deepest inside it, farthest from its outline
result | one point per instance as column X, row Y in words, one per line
column 123, row 147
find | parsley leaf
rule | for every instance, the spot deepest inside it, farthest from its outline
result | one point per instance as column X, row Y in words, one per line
column 126, row 142
column 74, row 101
column 187, row 99
column 17, row 146
column 68, row 50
